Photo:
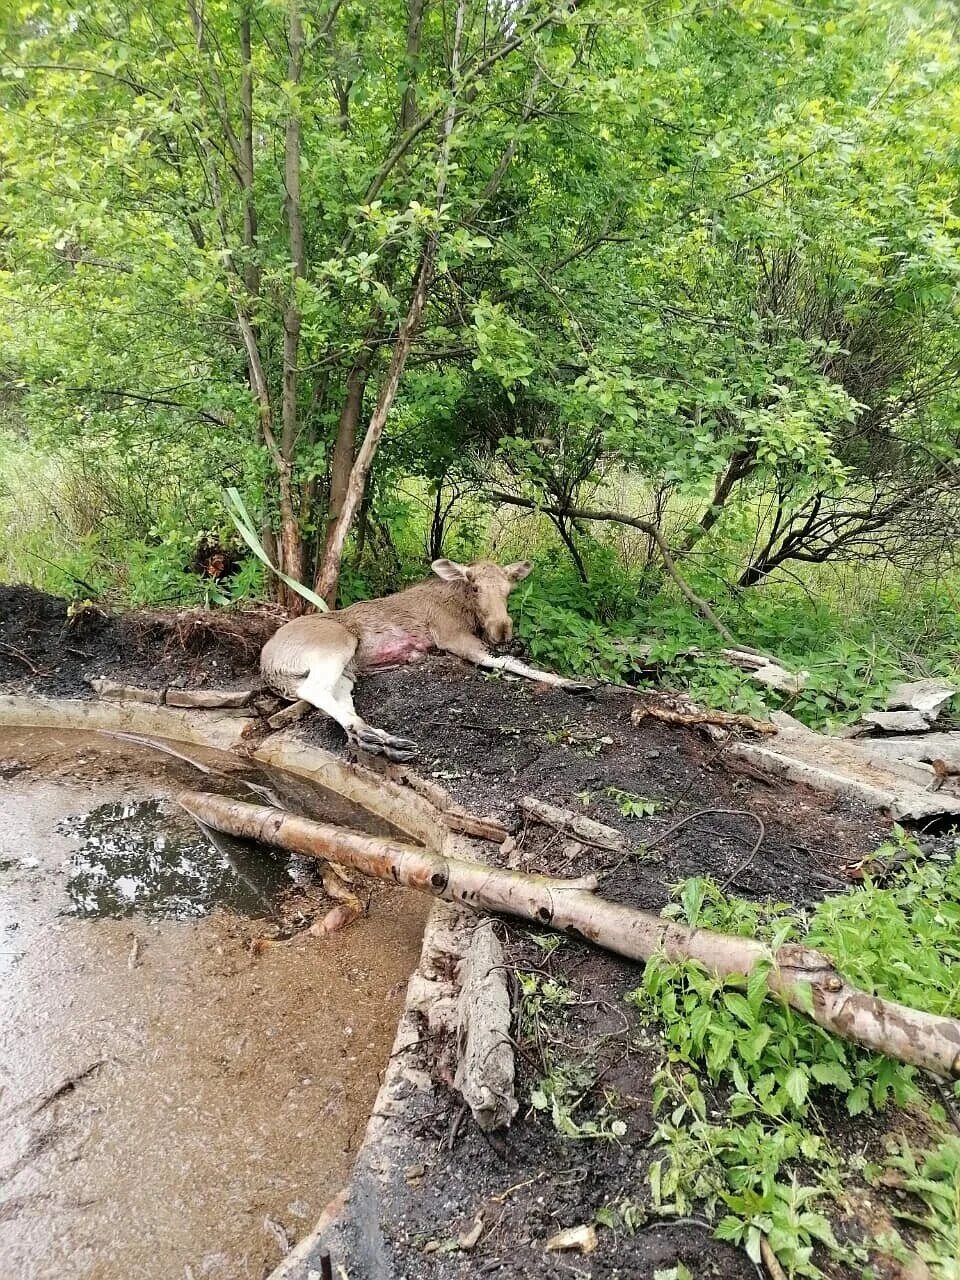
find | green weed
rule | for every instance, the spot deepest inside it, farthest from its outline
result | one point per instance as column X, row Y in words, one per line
column 933, row 1178
column 898, row 941
column 630, row 804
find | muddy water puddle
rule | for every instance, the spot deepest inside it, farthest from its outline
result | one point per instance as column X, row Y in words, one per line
column 171, row 1105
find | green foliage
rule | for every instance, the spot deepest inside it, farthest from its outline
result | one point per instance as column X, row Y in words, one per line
column 565, row 1084
column 740, row 1170
column 560, row 1093
column 934, row 1179
column 899, row 942
column 630, row 804
column 542, row 999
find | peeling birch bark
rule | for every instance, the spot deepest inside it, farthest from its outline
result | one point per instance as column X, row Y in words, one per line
column 805, row 978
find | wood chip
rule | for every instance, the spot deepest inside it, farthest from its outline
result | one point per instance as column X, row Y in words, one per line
column 468, row 1240
column 583, row 1238
column 290, row 715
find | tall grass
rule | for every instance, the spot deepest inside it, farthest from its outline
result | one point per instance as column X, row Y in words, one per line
column 94, row 523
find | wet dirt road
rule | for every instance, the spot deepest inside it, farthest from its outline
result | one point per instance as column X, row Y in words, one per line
column 170, row 1105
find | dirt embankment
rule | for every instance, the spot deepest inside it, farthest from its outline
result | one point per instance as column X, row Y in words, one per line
column 490, row 742
column 47, row 648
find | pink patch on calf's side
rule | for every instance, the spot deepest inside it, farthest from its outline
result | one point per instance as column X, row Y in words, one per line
column 395, row 648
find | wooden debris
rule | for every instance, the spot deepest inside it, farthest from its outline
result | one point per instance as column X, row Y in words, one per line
column 454, row 816
column 112, row 691
column 208, row 699
column 468, row 1240
column 485, row 1064
column 766, row 672
column 887, row 773
column 349, row 907
column 583, row 1238
column 470, row 824
column 929, row 697
column 804, row 977
column 585, row 829
column 183, row 699
column 772, row 1266
column 942, row 772
column 336, row 918
column 897, row 721
column 290, row 715
column 724, row 719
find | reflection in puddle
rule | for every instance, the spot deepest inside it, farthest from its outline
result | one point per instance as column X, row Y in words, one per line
column 135, row 858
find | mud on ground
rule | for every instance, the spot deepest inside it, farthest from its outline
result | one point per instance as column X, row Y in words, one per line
column 48, row 648
column 171, row 1103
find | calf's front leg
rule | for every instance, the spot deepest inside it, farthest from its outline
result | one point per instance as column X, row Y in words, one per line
column 473, row 650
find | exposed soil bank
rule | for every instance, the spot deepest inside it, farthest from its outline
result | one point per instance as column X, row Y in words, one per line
column 170, row 1105
column 490, row 741
column 46, row 648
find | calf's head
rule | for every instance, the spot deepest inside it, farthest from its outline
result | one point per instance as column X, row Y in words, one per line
column 488, row 587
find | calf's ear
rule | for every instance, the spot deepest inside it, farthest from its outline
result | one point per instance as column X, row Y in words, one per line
column 449, row 570
column 522, row 569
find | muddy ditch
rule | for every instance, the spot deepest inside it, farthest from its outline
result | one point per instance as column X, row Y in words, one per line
column 171, row 1103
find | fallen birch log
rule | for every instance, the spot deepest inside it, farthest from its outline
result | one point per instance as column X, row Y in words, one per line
column 485, row 1067
column 805, row 978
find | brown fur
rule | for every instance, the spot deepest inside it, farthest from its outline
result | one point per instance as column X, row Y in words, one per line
column 316, row 657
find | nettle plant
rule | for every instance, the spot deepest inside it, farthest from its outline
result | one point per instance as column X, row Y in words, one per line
column 773, row 1065
column 899, row 942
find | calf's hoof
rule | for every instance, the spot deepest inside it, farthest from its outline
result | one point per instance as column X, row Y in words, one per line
column 377, row 742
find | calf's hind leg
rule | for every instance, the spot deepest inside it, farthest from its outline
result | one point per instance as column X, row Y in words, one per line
column 327, row 686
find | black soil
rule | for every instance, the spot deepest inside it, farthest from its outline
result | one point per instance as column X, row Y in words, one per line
column 489, row 742
column 47, row 648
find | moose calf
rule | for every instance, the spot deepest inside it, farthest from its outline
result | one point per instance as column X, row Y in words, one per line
column 316, row 658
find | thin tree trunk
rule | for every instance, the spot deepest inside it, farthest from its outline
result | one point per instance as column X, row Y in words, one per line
column 739, row 466
column 566, row 534
column 343, row 455
column 330, row 570
column 251, row 269
column 363, row 519
column 290, row 540
column 805, row 978
column 337, row 535
column 408, row 106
